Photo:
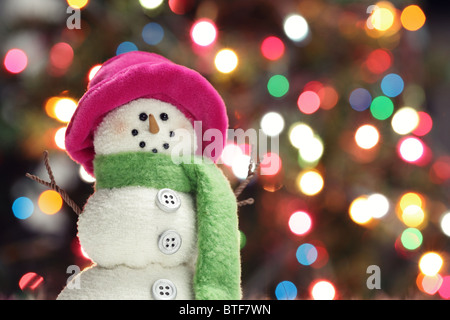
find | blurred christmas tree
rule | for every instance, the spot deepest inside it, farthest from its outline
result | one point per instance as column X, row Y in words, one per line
column 352, row 94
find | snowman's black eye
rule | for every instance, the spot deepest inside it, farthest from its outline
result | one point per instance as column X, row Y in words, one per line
column 166, row 146
column 164, row 116
column 134, row 132
column 171, row 134
column 143, row 116
column 142, row 144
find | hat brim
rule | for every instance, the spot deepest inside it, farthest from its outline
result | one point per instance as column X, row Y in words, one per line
column 180, row 86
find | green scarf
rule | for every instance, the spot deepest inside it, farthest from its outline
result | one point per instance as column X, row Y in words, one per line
column 217, row 275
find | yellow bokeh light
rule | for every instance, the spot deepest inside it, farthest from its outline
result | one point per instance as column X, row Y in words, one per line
column 430, row 263
column 50, row 202
column 50, row 106
column 77, row 4
column 411, row 198
column 413, row 216
column 412, row 18
column 226, row 61
column 310, row 182
column 359, row 210
column 64, row 109
column 382, row 18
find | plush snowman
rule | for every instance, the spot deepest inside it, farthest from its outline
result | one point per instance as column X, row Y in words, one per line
column 155, row 227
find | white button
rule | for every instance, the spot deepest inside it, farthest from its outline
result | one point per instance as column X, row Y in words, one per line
column 164, row 289
column 168, row 200
column 169, row 242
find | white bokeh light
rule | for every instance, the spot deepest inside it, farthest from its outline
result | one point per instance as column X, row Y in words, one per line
column 299, row 133
column 226, row 60
column 204, row 32
column 445, row 223
column 296, row 27
column 150, row 4
column 272, row 124
column 405, row 120
column 367, row 136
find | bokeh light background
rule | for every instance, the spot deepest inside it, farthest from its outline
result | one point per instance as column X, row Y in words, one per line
column 355, row 92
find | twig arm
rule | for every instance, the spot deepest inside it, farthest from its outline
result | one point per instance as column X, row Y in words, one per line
column 52, row 185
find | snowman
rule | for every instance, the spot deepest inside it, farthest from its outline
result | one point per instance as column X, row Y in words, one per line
column 154, row 228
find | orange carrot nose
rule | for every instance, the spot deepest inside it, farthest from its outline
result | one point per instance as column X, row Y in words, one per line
column 153, row 125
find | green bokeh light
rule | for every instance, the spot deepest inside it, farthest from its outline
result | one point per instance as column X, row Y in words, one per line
column 411, row 238
column 382, row 108
column 278, row 86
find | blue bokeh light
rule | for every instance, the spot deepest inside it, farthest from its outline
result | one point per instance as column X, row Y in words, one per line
column 286, row 290
column 360, row 99
column 22, row 208
column 306, row 254
column 125, row 47
column 392, row 85
column 152, row 33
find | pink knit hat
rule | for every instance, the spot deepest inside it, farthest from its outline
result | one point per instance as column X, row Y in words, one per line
column 135, row 75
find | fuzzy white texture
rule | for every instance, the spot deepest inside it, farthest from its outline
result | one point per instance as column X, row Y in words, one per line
column 114, row 134
column 123, row 283
column 122, row 226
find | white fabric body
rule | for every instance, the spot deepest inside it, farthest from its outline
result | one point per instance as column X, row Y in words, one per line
column 119, row 230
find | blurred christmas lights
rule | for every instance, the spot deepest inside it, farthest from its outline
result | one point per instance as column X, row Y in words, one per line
column 411, row 149
column 152, row 33
column 445, row 224
column 367, row 136
column 64, row 108
column 411, row 238
column 278, row 85
column 378, row 61
column 360, row 99
column 296, row 27
column 15, row 61
column 286, row 290
column 392, row 85
column 299, row 133
column 78, row 4
column 93, row 71
column 150, row 4
column 50, row 202
column 424, row 125
column 300, row 223
column 60, row 137
column 310, row 182
column 226, row 61
column 272, row 123
column 30, row 281
column 22, row 208
column 308, row 102
column 405, row 120
column 323, row 290
column 85, row 176
column 306, row 254
column 430, row 263
column 125, row 47
column 61, row 56
column 272, row 48
column 203, row 32
column 412, row 18
column 381, row 108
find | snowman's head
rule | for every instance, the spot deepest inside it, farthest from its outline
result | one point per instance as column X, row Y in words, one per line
column 145, row 125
